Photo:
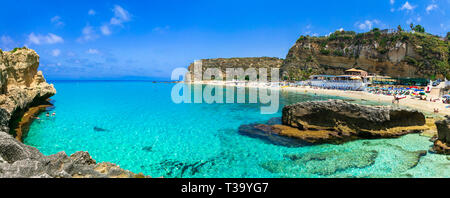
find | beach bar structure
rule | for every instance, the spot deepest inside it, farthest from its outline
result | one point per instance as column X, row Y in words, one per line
column 343, row 82
column 356, row 72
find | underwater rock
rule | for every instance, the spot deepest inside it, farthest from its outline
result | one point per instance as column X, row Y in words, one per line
column 345, row 163
column 270, row 135
column 324, row 164
column 274, row 121
column 98, row 129
column 337, row 121
column 177, row 169
column 147, row 148
column 442, row 143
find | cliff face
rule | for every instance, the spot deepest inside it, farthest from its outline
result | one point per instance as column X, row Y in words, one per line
column 23, row 88
column 244, row 63
column 398, row 54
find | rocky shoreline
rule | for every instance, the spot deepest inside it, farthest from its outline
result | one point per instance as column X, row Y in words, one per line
column 336, row 122
column 23, row 94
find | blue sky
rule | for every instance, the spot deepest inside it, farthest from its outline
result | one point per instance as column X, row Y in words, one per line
column 124, row 39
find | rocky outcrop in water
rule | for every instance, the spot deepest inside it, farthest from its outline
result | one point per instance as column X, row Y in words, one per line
column 442, row 143
column 23, row 89
column 337, row 121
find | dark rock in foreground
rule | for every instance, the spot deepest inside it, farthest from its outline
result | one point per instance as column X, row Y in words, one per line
column 442, row 144
column 337, row 121
column 21, row 161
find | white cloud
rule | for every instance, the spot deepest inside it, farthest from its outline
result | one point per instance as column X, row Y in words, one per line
column 91, row 12
column 407, row 6
column 341, row 29
column 161, row 29
column 56, row 20
column 392, row 2
column 44, row 39
column 367, row 24
column 410, row 20
column 431, row 7
column 88, row 34
column 56, row 52
column 120, row 16
column 105, row 30
column 6, row 42
column 93, row 51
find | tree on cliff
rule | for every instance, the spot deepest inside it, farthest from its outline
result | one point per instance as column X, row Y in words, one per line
column 419, row 28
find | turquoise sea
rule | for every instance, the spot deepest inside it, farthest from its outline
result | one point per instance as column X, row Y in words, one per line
column 137, row 126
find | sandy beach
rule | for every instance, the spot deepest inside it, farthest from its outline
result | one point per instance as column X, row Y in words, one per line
column 421, row 105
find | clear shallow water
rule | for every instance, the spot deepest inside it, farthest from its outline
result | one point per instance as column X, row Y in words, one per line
column 146, row 132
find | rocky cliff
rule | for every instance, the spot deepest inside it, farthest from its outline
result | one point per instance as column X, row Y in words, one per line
column 337, row 121
column 244, row 63
column 23, row 87
column 399, row 54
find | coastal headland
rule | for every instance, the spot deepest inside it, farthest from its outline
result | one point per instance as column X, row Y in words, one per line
column 24, row 93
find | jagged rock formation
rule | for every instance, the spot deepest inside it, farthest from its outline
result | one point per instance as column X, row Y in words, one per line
column 398, row 54
column 244, row 63
column 337, row 121
column 22, row 88
column 21, row 161
column 442, row 143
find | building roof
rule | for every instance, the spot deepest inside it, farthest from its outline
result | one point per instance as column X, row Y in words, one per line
column 326, row 76
column 354, row 70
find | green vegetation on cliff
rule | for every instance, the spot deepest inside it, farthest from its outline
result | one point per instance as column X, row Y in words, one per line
column 398, row 54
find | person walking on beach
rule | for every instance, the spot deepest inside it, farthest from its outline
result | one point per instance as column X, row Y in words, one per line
column 396, row 100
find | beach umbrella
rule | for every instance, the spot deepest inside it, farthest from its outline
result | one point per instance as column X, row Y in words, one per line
column 446, row 96
column 422, row 93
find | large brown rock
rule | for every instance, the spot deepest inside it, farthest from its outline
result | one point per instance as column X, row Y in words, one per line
column 337, row 121
column 442, row 144
column 334, row 113
column 22, row 86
